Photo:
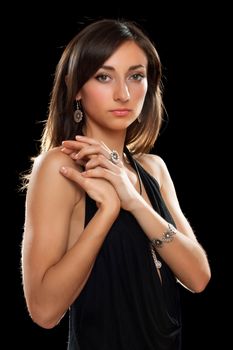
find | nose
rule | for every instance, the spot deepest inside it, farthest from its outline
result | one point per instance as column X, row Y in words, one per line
column 121, row 92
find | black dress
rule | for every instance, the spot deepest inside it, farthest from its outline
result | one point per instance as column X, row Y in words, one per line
column 124, row 305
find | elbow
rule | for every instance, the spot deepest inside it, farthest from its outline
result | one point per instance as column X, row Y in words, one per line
column 196, row 284
column 43, row 317
column 202, row 282
column 44, row 323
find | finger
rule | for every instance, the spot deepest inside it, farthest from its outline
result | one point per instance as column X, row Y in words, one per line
column 73, row 156
column 71, row 148
column 102, row 161
column 86, row 139
column 92, row 141
column 92, row 150
column 99, row 172
column 72, row 174
column 67, row 151
column 70, row 152
column 72, row 145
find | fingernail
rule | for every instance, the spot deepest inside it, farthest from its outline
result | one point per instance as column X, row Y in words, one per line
column 63, row 170
column 78, row 136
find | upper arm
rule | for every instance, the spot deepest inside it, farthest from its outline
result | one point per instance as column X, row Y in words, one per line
column 49, row 204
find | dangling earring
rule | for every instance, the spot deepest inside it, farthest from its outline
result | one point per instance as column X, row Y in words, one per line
column 78, row 114
column 139, row 118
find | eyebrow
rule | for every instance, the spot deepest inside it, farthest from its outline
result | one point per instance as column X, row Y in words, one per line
column 130, row 68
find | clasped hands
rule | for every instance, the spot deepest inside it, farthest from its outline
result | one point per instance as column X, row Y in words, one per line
column 102, row 168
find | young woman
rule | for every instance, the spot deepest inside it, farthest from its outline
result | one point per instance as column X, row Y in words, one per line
column 105, row 236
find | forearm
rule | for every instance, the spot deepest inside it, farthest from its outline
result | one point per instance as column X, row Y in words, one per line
column 63, row 282
column 183, row 254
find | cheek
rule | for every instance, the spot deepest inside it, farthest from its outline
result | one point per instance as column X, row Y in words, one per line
column 95, row 96
column 140, row 93
column 139, row 98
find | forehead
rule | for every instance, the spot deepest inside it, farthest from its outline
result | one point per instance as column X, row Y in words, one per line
column 127, row 54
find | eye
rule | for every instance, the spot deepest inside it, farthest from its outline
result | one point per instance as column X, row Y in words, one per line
column 137, row 76
column 102, row 78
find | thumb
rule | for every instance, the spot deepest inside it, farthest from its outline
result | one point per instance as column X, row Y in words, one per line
column 72, row 174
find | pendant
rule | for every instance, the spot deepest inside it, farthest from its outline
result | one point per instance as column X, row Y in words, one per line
column 158, row 263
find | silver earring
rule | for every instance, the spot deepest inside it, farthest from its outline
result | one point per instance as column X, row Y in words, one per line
column 78, row 114
column 139, row 118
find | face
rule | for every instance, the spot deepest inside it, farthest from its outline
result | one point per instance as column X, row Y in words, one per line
column 113, row 98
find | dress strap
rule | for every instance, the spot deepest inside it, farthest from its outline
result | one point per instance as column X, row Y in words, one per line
column 135, row 166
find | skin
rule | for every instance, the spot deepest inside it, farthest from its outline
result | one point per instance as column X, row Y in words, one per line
column 58, row 253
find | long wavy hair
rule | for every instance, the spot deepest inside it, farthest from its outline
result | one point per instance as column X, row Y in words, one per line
column 82, row 57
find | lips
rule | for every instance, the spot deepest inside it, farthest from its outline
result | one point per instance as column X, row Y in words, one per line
column 120, row 112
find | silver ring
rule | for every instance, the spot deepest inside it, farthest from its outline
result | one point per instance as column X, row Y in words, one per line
column 114, row 157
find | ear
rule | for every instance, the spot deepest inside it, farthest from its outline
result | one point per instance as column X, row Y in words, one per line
column 78, row 96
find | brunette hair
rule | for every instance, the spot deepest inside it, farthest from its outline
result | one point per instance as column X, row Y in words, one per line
column 82, row 57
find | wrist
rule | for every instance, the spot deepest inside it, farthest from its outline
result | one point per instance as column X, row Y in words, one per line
column 136, row 205
column 166, row 237
column 110, row 210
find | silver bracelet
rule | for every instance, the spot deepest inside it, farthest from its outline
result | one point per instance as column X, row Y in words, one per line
column 166, row 238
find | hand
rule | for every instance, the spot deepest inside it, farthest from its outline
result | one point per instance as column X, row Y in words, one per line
column 99, row 190
column 95, row 156
column 73, row 148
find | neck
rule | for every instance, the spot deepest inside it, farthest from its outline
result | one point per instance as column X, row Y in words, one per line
column 113, row 139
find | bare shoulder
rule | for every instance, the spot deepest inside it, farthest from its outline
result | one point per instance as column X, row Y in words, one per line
column 154, row 165
column 52, row 159
column 49, row 163
column 46, row 171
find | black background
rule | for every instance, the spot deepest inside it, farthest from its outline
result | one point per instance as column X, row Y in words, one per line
column 192, row 47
